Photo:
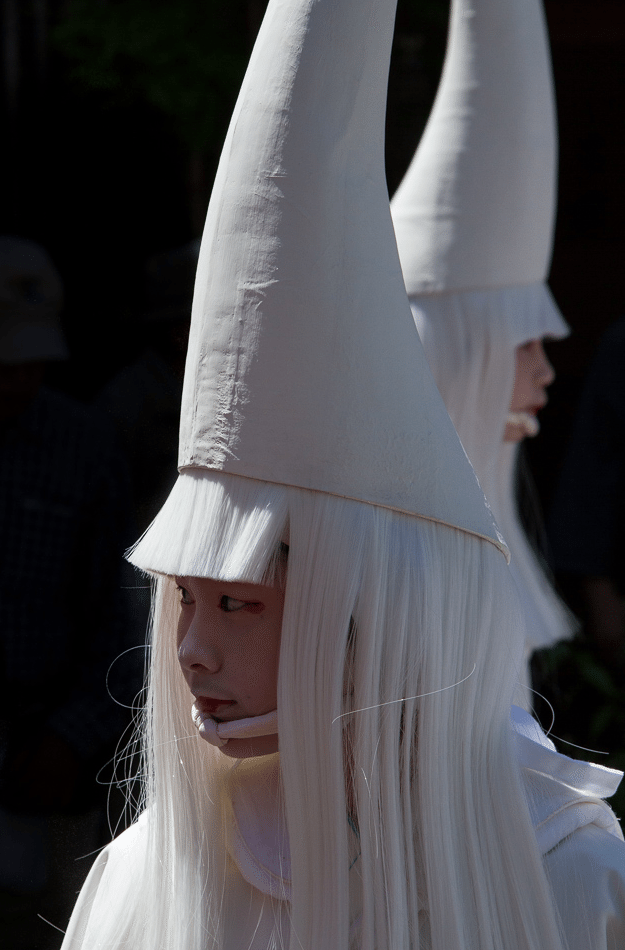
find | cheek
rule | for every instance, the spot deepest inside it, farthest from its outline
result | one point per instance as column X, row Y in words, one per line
column 522, row 384
column 264, row 653
column 275, row 636
column 182, row 628
column 264, row 659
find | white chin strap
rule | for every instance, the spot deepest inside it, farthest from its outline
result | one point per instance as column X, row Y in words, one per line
column 218, row 733
column 525, row 420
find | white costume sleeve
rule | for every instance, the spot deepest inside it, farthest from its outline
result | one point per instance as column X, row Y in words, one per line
column 587, row 874
column 253, row 919
column 577, row 834
column 106, row 888
column 579, row 837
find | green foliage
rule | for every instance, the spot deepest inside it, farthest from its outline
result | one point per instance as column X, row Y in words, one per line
column 185, row 57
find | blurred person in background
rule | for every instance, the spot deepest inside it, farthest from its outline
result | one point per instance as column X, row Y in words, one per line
column 143, row 399
column 474, row 222
column 64, row 516
column 142, row 402
column 588, row 514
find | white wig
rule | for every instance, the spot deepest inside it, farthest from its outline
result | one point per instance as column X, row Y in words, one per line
column 397, row 663
column 470, row 339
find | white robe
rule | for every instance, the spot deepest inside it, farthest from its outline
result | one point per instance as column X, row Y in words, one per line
column 577, row 833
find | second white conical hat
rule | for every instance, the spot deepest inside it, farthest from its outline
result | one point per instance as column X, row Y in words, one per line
column 476, row 207
column 304, row 367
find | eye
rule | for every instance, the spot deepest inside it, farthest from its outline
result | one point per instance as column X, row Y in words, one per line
column 230, row 605
column 185, row 596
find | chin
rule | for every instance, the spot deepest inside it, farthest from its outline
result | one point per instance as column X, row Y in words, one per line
column 514, row 434
column 250, row 748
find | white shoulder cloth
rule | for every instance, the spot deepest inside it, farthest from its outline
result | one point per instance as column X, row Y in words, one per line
column 578, row 835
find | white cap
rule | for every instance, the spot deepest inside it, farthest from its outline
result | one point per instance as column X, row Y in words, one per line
column 476, row 207
column 31, row 295
column 304, row 367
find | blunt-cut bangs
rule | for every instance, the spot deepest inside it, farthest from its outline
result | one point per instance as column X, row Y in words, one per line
column 216, row 525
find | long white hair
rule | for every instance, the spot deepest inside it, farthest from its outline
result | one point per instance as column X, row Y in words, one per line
column 470, row 340
column 398, row 659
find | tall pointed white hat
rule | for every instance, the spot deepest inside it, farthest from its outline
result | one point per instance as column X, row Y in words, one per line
column 476, row 208
column 304, row 367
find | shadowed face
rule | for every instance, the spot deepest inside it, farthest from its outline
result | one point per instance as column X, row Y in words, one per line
column 533, row 374
column 228, row 649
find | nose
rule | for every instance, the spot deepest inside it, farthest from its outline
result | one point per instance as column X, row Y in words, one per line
column 544, row 373
column 198, row 647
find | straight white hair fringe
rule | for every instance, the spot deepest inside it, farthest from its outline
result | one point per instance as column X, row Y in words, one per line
column 379, row 607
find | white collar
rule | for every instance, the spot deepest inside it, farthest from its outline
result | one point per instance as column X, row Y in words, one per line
column 564, row 794
column 256, row 833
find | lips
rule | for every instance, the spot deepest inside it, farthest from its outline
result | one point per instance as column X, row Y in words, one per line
column 210, row 705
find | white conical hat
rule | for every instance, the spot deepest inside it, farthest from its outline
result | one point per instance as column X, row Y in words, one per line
column 304, row 367
column 476, row 207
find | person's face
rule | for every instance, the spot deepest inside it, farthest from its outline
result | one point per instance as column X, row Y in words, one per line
column 533, row 374
column 228, row 649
